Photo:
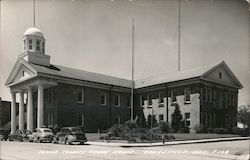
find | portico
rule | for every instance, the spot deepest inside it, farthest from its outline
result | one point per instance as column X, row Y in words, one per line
column 29, row 87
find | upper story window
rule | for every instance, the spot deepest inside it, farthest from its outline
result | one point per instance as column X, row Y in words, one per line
column 80, row 96
column 173, row 96
column 161, row 100
column 142, row 100
column 187, row 94
column 150, row 100
column 103, row 99
column 38, row 45
column 117, row 100
column 30, row 44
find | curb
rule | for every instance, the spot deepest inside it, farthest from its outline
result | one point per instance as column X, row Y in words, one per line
column 166, row 143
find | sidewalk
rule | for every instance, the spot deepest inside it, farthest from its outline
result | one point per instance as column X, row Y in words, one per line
column 114, row 144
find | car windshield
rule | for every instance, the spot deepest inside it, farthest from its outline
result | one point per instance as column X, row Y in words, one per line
column 46, row 130
column 76, row 130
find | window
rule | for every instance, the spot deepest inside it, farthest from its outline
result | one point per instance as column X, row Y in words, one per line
column 220, row 75
column 150, row 100
column 23, row 73
column 142, row 101
column 118, row 120
column 103, row 99
column 30, row 43
column 161, row 117
column 129, row 101
column 187, row 119
column 117, row 100
column 161, row 100
column 187, row 93
column 38, row 43
column 173, row 96
column 43, row 48
column 80, row 96
column 80, row 119
column 24, row 44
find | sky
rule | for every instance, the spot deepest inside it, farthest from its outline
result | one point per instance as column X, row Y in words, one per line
column 95, row 35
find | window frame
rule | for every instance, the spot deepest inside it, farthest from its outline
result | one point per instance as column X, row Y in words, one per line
column 103, row 94
column 30, row 44
column 185, row 95
column 173, row 96
column 81, row 91
column 118, row 100
column 160, row 117
column 38, row 44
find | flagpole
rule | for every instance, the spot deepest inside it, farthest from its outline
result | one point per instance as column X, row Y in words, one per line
column 179, row 35
column 34, row 12
column 132, row 82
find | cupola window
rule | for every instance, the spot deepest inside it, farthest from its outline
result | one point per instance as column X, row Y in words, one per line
column 38, row 43
column 43, row 48
column 24, row 44
column 30, row 43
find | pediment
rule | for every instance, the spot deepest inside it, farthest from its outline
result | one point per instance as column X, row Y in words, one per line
column 20, row 72
column 222, row 74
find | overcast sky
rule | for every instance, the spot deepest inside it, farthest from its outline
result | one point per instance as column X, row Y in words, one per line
column 95, row 35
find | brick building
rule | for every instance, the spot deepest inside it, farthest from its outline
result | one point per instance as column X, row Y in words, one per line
column 64, row 96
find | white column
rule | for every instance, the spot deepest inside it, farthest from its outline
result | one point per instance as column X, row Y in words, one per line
column 21, row 111
column 13, row 112
column 30, row 110
column 40, row 107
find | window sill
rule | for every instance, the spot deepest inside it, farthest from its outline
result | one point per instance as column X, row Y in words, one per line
column 161, row 105
column 187, row 102
column 173, row 103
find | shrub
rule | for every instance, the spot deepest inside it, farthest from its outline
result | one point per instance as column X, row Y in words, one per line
column 165, row 127
column 240, row 131
column 177, row 118
column 200, row 129
column 220, row 130
column 210, row 130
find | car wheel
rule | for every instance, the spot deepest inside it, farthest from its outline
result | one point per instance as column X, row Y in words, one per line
column 10, row 139
column 38, row 140
column 54, row 140
column 66, row 141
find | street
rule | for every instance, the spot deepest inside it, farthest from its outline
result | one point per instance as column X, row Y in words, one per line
column 48, row 151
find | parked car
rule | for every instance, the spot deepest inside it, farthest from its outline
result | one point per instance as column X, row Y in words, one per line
column 4, row 132
column 70, row 135
column 19, row 135
column 41, row 135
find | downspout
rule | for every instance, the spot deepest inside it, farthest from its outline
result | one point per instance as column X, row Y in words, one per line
column 110, row 106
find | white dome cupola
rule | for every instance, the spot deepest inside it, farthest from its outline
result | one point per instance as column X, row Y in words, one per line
column 34, row 47
column 34, row 41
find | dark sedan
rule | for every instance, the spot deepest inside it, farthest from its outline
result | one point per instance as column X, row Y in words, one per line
column 19, row 135
column 70, row 135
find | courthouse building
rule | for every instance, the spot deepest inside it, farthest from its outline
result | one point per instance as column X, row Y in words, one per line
column 58, row 95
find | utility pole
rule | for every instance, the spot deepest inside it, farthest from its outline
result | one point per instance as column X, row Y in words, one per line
column 179, row 35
